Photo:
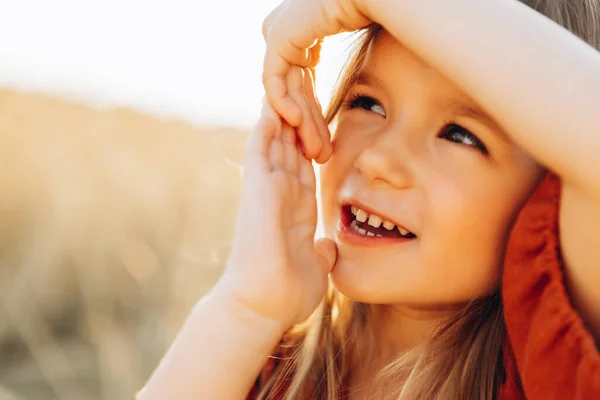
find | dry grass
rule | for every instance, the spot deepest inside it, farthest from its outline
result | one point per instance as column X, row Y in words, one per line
column 112, row 224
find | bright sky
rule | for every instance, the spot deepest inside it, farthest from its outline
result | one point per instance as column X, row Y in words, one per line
column 193, row 59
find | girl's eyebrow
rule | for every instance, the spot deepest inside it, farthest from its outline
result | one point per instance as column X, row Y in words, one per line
column 365, row 78
column 463, row 109
column 467, row 110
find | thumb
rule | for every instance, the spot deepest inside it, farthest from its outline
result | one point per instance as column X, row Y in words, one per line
column 327, row 253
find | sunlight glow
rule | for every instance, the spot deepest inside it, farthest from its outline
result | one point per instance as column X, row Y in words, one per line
column 196, row 60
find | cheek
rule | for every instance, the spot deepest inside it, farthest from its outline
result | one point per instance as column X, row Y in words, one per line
column 331, row 178
column 328, row 187
column 466, row 225
column 469, row 220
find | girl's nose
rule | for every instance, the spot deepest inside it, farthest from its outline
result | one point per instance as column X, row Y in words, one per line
column 385, row 164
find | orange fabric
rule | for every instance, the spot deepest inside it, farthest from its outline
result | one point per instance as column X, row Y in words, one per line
column 556, row 357
column 511, row 389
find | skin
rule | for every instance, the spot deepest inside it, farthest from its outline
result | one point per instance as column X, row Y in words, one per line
column 275, row 277
column 459, row 201
column 535, row 80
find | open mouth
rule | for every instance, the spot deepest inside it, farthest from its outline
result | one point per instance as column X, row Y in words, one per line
column 371, row 225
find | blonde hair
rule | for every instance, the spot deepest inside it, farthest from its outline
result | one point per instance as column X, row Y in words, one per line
column 464, row 359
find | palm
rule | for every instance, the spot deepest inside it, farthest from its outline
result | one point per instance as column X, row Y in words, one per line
column 299, row 219
column 274, row 265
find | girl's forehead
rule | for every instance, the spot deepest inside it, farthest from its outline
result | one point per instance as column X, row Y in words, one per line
column 392, row 67
column 385, row 50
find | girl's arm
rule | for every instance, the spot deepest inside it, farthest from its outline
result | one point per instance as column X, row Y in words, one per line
column 217, row 355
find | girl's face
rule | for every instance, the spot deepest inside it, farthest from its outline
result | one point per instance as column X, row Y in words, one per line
column 411, row 148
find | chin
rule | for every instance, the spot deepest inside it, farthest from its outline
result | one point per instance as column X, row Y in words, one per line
column 352, row 281
column 363, row 284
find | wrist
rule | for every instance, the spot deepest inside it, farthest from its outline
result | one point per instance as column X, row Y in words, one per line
column 243, row 318
column 218, row 353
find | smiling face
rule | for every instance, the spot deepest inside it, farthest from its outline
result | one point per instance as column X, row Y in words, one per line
column 411, row 148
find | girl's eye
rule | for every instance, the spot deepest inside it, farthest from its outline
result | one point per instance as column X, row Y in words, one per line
column 366, row 103
column 458, row 134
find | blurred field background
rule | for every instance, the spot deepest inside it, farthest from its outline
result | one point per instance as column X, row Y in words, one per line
column 112, row 224
column 122, row 129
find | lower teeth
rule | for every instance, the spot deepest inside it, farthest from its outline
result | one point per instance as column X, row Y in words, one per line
column 355, row 228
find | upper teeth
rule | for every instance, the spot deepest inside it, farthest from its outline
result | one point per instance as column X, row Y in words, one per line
column 388, row 225
column 361, row 216
column 375, row 220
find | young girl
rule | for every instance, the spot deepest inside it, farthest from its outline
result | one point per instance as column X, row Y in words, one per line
column 446, row 119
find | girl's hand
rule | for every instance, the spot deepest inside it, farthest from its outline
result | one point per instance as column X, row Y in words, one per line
column 293, row 33
column 276, row 269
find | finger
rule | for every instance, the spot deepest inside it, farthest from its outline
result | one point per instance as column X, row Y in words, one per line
column 317, row 113
column 327, row 251
column 290, row 149
column 256, row 162
column 314, row 55
column 293, row 52
column 288, row 37
column 306, row 172
column 288, row 134
column 261, row 135
column 307, row 131
column 255, row 168
column 275, row 82
column 269, row 112
column 276, row 155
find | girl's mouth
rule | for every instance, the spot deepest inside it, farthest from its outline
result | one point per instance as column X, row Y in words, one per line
column 360, row 227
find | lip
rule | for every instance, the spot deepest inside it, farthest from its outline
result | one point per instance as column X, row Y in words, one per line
column 349, row 236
